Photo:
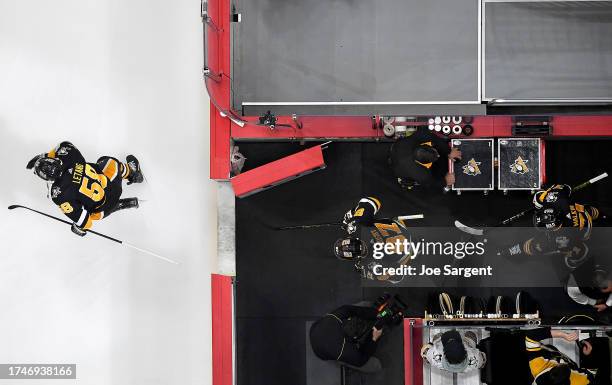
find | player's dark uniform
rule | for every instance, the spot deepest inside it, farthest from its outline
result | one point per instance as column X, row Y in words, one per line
column 569, row 225
column 386, row 231
column 362, row 215
column 542, row 358
column 362, row 221
column 570, row 214
column 86, row 191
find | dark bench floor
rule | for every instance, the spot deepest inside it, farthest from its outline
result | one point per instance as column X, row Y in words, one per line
column 287, row 278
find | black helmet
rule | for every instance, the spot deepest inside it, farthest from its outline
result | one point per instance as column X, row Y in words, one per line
column 452, row 345
column 350, row 248
column 48, row 169
column 546, row 219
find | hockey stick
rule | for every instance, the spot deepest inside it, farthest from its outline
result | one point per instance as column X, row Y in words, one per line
column 476, row 231
column 12, row 207
column 338, row 224
column 313, row 226
column 415, row 216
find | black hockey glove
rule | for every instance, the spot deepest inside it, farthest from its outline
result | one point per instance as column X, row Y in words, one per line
column 348, row 223
column 33, row 161
column 350, row 227
column 78, row 231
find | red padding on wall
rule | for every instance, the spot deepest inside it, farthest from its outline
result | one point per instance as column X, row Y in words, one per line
column 361, row 127
column 219, row 145
column 218, row 53
column 279, row 171
column 222, row 316
column 413, row 340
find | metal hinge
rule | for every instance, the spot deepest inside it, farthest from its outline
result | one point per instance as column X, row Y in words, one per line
column 204, row 9
column 206, row 17
column 208, row 73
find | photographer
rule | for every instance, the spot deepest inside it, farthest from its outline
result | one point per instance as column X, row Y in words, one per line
column 347, row 336
column 454, row 352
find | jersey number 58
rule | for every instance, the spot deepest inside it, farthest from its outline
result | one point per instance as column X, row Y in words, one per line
column 95, row 189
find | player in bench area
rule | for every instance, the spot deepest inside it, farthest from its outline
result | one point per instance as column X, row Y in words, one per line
column 351, row 247
column 363, row 228
column 83, row 191
column 548, row 366
column 565, row 226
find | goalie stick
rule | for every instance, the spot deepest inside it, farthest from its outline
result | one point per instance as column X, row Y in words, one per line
column 477, row 231
column 12, row 207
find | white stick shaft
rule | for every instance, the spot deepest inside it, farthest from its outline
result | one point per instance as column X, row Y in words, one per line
column 150, row 253
column 416, row 216
column 598, row 178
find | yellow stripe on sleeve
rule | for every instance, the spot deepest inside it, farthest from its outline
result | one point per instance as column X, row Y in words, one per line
column 376, row 201
column 111, row 169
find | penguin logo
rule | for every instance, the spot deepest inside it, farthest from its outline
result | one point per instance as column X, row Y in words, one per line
column 55, row 192
column 519, row 166
column 551, row 197
column 471, row 168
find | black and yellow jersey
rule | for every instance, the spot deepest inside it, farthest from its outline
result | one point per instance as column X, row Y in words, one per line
column 582, row 217
column 572, row 215
column 556, row 196
column 386, row 231
column 542, row 359
column 83, row 189
column 365, row 211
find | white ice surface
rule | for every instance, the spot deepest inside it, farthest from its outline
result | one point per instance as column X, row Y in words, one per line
column 114, row 77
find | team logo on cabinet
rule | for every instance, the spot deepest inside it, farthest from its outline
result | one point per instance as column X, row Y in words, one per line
column 471, row 168
column 519, row 166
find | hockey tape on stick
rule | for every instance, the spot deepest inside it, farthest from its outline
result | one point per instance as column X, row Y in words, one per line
column 591, row 181
column 12, row 207
column 415, row 216
column 468, row 229
column 150, row 253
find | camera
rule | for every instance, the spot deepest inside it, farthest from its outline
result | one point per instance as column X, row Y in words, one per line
column 390, row 311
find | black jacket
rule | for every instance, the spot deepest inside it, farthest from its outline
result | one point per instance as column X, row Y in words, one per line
column 404, row 165
column 330, row 342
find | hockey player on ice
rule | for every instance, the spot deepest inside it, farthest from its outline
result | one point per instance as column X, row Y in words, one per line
column 83, row 191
